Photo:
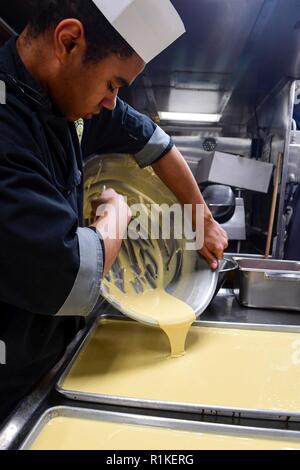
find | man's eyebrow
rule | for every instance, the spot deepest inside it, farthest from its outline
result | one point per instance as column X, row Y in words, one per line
column 122, row 81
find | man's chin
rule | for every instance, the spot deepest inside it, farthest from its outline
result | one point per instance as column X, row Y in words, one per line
column 72, row 118
column 76, row 118
column 88, row 116
column 85, row 116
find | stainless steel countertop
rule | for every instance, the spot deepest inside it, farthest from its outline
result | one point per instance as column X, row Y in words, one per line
column 224, row 309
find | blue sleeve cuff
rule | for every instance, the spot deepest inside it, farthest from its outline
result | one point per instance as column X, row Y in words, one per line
column 102, row 244
column 86, row 289
column 158, row 145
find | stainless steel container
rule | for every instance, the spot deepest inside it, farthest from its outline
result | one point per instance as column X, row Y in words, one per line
column 269, row 283
column 186, row 275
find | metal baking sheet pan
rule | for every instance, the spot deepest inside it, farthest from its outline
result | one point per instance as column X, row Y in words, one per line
column 70, row 428
column 239, row 379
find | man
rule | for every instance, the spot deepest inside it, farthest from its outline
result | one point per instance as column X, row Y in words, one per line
column 70, row 62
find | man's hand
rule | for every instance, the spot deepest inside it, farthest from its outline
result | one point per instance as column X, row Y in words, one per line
column 109, row 197
column 112, row 216
column 174, row 171
column 215, row 242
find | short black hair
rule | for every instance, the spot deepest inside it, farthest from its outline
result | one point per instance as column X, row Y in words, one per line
column 102, row 38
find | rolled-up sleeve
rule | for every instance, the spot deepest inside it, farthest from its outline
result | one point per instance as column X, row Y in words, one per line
column 86, row 289
column 158, row 145
column 125, row 130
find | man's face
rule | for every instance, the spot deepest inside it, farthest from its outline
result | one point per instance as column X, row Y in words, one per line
column 87, row 89
column 83, row 89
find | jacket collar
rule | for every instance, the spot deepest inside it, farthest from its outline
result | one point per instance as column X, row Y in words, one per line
column 16, row 75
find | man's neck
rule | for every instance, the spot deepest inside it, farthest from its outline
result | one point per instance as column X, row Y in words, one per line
column 29, row 51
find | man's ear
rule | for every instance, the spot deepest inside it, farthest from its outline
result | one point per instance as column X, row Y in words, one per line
column 69, row 45
column 68, row 35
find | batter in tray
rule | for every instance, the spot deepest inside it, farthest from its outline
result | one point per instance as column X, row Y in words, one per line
column 61, row 433
column 223, row 367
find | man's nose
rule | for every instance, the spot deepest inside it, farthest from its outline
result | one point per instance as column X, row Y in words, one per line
column 110, row 101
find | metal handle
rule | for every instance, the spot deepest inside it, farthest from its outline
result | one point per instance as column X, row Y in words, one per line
column 291, row 277
column 234, row 266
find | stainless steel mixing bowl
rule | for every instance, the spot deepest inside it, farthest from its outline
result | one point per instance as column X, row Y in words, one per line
column 186, row 275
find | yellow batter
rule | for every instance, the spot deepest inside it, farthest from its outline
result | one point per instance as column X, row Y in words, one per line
column 156, row 306
column 136, row 282
column 224, row 367
column 83, row 434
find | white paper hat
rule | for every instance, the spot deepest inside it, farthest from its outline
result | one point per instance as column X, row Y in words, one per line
column 149, row 26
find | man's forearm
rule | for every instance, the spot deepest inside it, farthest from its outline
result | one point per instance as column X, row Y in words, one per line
column 173, row 170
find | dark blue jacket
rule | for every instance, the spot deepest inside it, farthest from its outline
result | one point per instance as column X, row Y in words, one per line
column 50, row 266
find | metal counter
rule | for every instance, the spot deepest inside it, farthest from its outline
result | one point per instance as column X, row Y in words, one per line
column 224, row 310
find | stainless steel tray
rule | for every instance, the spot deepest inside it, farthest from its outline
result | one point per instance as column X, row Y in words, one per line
column 203, row 409
column 269, row 283
column 158, row 422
